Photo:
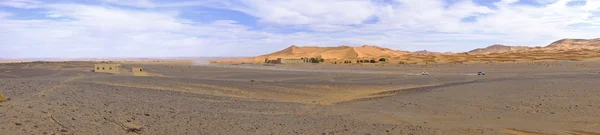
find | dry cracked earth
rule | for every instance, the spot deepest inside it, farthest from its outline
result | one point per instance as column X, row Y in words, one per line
column 513, row 98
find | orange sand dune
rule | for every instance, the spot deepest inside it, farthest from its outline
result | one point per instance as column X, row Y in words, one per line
column 565, row 49
column 575, row 43
column 341, row 52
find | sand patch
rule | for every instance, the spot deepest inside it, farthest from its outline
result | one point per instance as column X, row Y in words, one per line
column 578, row 132
column 522, row 132
column 186, row 89
column 9, row 75
column 307, row 94
column 2, row 98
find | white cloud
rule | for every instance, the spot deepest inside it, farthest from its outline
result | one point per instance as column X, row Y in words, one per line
column 27, row 4
column 104, row 31
column 504, row 3
column 299, row 12
column 433, row 15
column 592, row 5
column 114, row 19
column 159, row 29
column 135, row 3
column 4, row 14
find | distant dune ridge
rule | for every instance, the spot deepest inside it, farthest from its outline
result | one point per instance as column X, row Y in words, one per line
column 426, row 52
column 340, row 52
column 498, row 47
column 565, row 49
column 576, row 43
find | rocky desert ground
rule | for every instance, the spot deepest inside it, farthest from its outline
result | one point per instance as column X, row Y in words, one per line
column 513, row 98
column 522, row 98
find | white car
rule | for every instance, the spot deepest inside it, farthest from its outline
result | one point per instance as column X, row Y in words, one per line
column 480, row 73
column 424, row 73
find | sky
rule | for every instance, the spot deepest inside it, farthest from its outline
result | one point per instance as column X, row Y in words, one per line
column 226, row 28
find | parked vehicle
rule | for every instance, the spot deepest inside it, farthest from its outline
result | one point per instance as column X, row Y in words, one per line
column 480, row 73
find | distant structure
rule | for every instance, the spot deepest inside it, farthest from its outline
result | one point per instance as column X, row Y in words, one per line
column 107, row 68
column 287, row 61
column 139, row 72
column 137, row 69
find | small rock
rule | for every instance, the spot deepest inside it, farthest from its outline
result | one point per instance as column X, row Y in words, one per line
column 147, row 114
column 18, row 124
column 64, row 130
column 130, row 127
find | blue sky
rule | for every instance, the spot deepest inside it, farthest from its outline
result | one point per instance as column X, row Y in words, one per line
column 172, row 28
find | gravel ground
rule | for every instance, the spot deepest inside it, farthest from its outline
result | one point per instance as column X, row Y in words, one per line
column 514, row 98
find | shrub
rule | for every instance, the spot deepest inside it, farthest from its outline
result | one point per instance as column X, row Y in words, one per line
column 373, row 61
column 314, row 60
column 382, row 59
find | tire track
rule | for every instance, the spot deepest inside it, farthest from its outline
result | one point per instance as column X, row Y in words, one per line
column 426, row 89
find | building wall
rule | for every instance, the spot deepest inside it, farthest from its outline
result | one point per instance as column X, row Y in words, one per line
column 277, row 61
column 287, row 61
column 139, row 72
column 137, row 69
column 107, row 68
column 284, row 61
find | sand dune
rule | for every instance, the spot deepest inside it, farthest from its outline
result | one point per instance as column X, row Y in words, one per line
column 575, row 43
column 565, row 49
column 341, row 52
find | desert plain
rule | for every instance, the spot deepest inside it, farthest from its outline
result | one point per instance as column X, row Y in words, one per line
column 521, row 98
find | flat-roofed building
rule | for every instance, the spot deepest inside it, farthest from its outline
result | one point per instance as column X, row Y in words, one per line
column 107, row 68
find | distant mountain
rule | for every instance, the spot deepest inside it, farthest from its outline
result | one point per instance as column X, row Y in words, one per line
column 498, row 48
column 425, row 52
column 430, row 52
column 575, row 43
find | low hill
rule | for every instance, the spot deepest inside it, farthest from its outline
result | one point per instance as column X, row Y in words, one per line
column 497, row 48
column 425, row 52
column 575, row 43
